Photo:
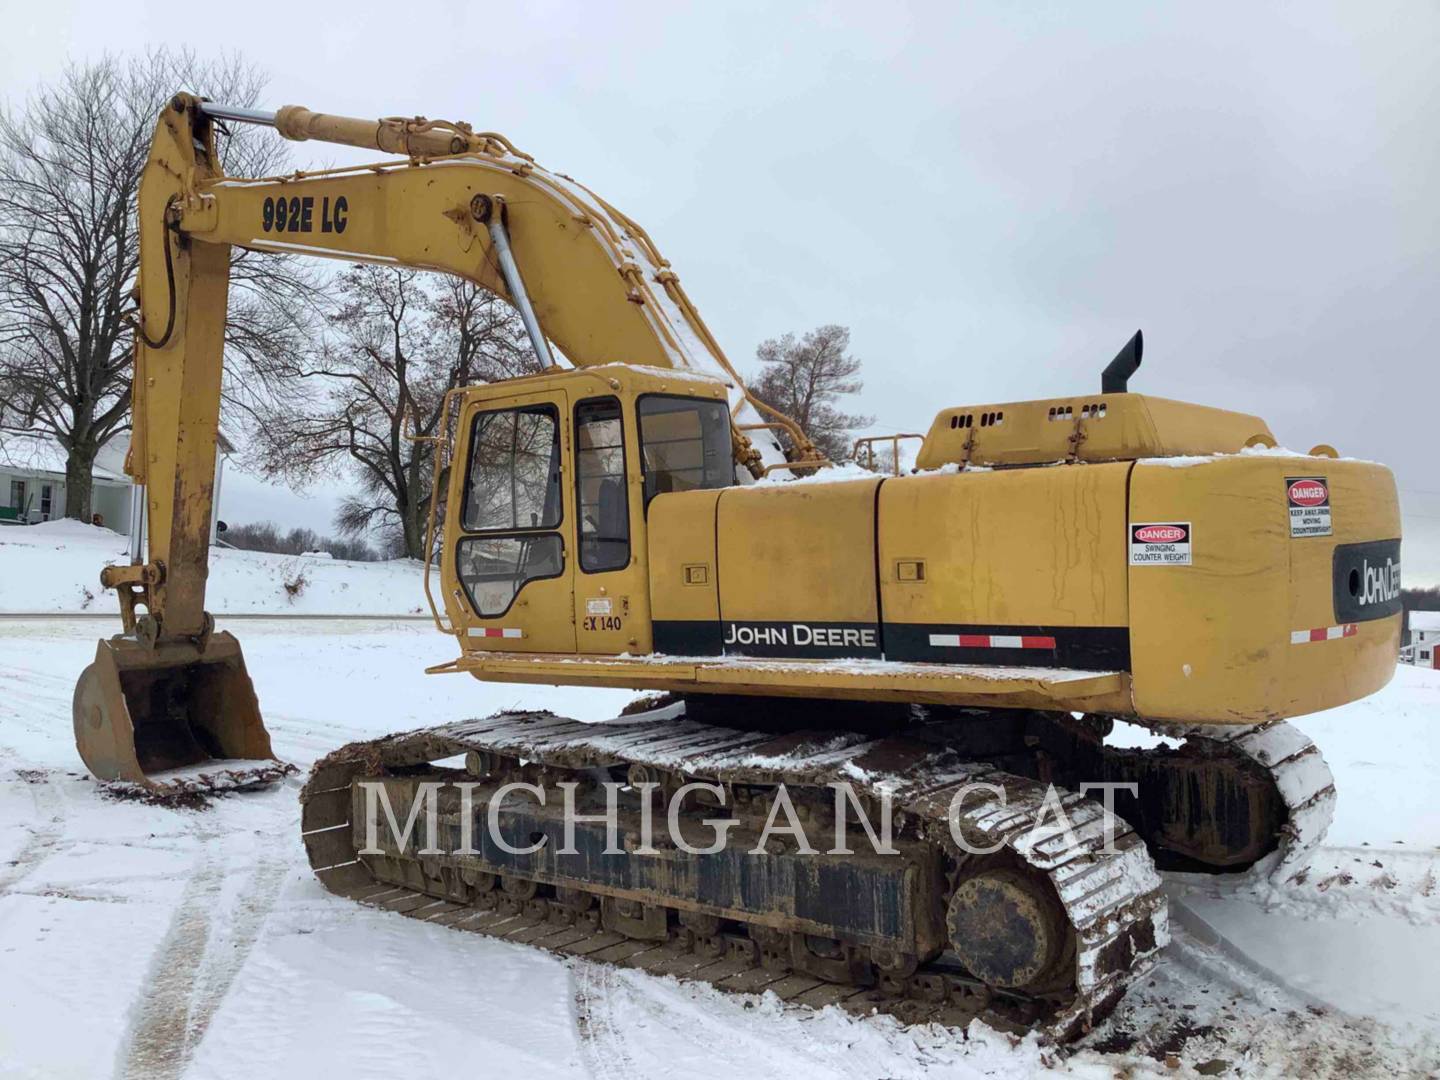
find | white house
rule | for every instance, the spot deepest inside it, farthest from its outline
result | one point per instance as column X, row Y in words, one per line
column 32, row 480
column 1424, row 637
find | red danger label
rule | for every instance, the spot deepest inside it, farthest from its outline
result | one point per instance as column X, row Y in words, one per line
column 1308, row 493
column 1308, row 500
column 1161, row 534
column 1160, row 543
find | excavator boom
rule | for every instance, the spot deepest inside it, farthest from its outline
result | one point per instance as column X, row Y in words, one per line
column 149, row 710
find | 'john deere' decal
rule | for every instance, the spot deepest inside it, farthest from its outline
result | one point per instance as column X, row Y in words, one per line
column 1367, row 580
column 800, row 639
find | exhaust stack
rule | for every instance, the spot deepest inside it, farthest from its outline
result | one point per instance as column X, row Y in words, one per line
column 1115, row 379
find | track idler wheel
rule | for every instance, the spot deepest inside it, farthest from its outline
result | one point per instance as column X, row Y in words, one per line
column 1006, row 928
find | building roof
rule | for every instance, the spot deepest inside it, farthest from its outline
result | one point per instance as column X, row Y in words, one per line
column 38, row 452
column 1425, row 620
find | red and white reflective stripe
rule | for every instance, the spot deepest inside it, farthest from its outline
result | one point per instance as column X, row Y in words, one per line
column 1322, row 633
column 495, row 631
column 990, row 641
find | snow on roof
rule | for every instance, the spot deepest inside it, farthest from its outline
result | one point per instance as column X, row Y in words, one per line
column 1425, row 620
column 677, row 374
column 37, row 452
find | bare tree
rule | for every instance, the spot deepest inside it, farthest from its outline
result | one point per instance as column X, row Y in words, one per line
column 267, row 536
column 806, row 378
column 70, row 165
column 398, row 340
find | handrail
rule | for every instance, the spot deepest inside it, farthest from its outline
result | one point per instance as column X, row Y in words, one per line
column 822, row 463
column 442, row 440
column 869, row 441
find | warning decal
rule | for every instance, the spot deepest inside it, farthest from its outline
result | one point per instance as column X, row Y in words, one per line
column 1309, row 501
column 1160, row 543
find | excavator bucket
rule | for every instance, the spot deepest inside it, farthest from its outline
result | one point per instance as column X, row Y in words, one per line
column 175, row 719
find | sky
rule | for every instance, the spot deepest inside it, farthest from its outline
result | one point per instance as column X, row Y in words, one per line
column 992, row 197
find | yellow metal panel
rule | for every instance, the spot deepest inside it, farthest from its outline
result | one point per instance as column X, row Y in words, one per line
column 1022, row 547
column 1091, row 427
column 421, row 217
column 921, row 683
column 803, row 552
column 683, row 566
column 1364, row 507
column 1207, row 639
column 181, row 424
column 1183, row 428
column 1211, row 642
column 1024, row 431
column 177, row 383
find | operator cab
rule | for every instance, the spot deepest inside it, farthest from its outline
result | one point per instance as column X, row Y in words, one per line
column 553, row 475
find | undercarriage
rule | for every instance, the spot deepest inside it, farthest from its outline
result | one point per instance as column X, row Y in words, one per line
column 936, row 865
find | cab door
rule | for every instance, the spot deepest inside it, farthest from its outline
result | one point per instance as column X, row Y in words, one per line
column 510, row 516
column 612, row 588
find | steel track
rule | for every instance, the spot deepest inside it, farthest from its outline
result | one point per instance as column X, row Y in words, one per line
column 1111, row 900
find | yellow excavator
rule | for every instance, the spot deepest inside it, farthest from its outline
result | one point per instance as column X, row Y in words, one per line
column 975, row 627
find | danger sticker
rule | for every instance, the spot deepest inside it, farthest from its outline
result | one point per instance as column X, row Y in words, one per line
column 1160, row 543
column 1309, row 501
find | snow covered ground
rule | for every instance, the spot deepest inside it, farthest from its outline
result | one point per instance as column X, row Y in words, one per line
column 55, row 567
column 143, row 942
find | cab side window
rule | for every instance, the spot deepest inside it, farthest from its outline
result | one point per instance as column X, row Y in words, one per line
column 685, row 444
column 600, row 497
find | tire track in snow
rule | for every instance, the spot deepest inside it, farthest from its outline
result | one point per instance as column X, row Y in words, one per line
column 253, row 908
column 36, row 702
column 193, row 967
column 603, row 1046
column 1203, row 951
column 157, row 1047
column 45, row 834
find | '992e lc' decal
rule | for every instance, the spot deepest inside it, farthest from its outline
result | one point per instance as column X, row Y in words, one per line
column 297, row 214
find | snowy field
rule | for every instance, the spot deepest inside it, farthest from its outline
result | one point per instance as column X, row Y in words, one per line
column 55, row 567
column 144, row 942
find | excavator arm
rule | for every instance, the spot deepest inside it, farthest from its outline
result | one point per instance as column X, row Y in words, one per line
column 171, row 695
